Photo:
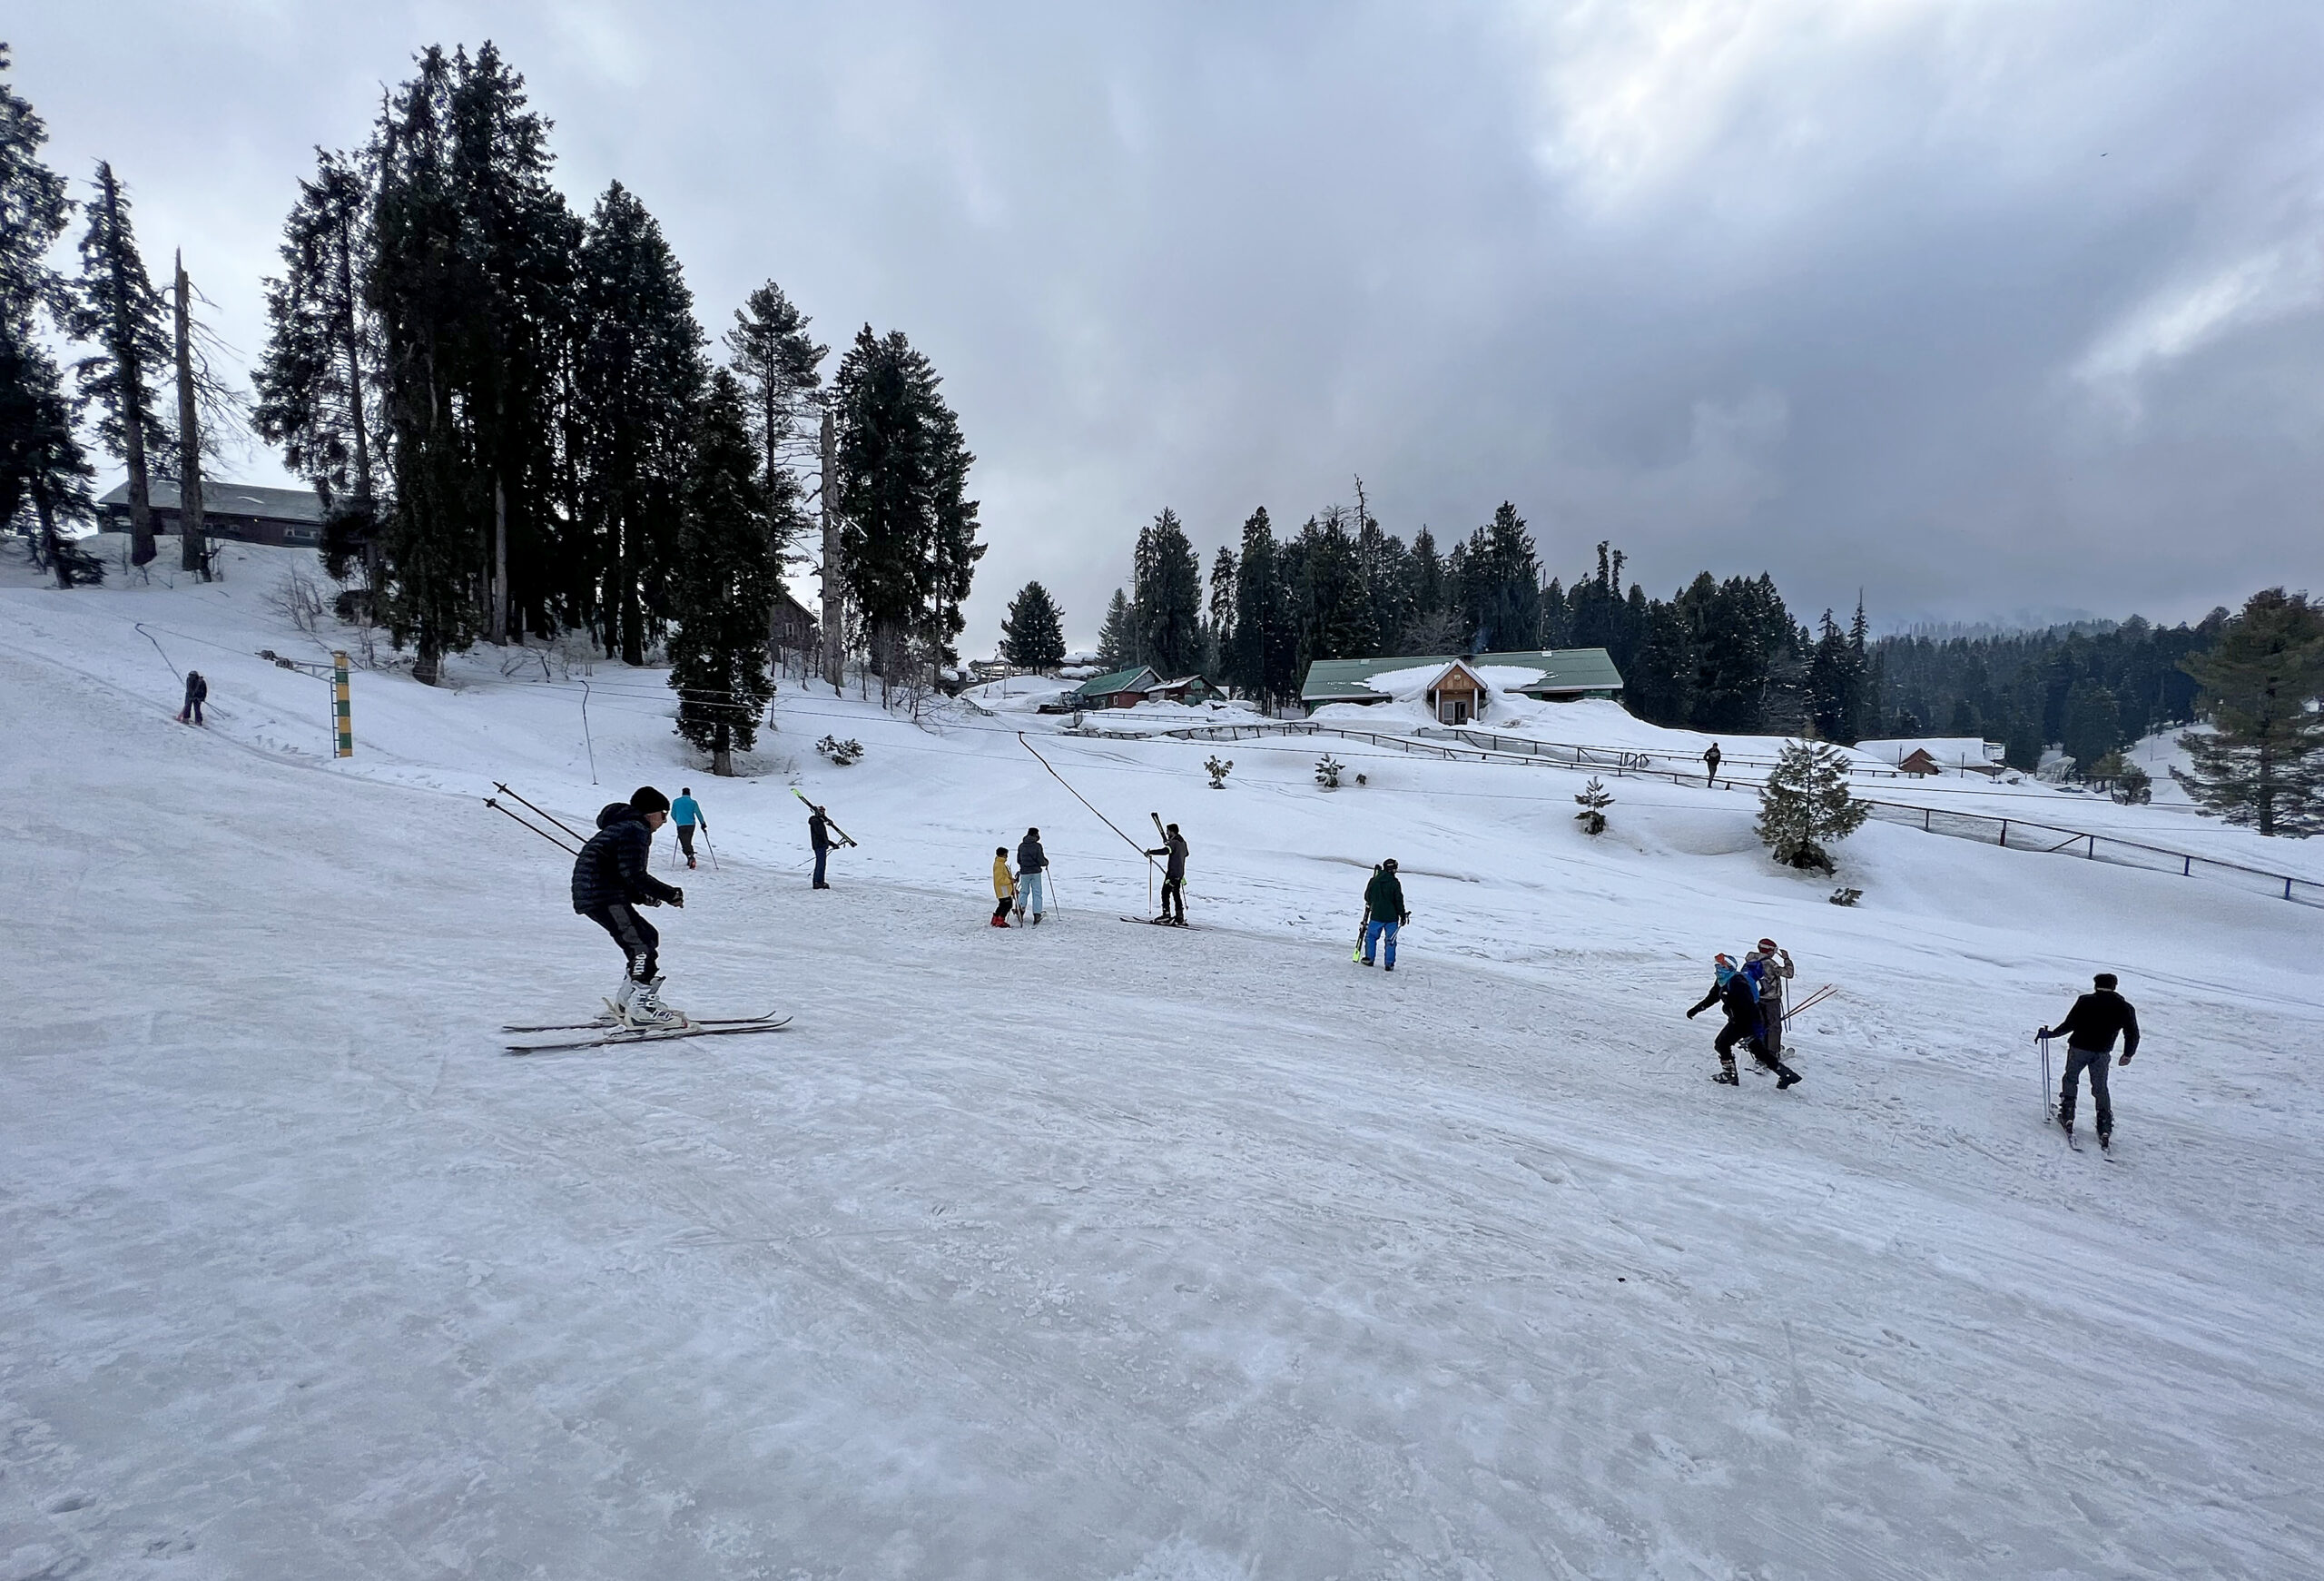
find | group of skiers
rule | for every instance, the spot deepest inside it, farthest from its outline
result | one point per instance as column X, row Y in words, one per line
column 1751, row 993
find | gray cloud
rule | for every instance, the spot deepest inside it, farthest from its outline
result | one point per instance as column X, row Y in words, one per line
column 1976, row 308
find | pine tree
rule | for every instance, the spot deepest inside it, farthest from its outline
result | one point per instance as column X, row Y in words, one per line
column 1220, row 637
column 40, row 461
column 318, row 379
column 1595, row 798
column 1659, row 685
column 1117, row 636
column 1806, row 802
column 1168, row 598
column 1266, row 638
column 2262, row 761
column 1032, row 636
column 2094, row 724
column 721, row 582
column 114, row 305
column 779, row 365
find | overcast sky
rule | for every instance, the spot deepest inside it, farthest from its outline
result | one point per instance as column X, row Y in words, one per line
column 1986, row 309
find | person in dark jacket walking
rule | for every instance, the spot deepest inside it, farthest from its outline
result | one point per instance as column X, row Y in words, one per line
column 1710, row 762
column 197, row 692
column 1734, row 993
column 1383, row 904
column 1033, row 875
column 2089, row 1029
column 1173, row 876
column 610, row 883
column 818, row 835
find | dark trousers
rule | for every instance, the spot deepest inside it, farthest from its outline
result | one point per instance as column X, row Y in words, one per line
column 192, row 710
column 2094, row 1060
column 1174, row 892
column 1733, row 1032
column 640, row 944
column 1000, row 907
column 1771, row 1028
column 685, row 840
column 821, row 853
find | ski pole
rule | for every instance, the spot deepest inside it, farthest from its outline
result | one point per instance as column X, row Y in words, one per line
column 552, row 817
column 522, row 823
column 709, row 847
column 2048, row 1112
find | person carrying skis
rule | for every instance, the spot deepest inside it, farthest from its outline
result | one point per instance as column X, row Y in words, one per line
column 1173, row 876
column 1710, row 760
column 1770, row 967
column 1004, row 886
column 1731, row 990
column 686, row 813
column 818, row 835
column 1032, row 872
column 1384, row 906
column 2089, row 1029
column 197, row 692
column 610, row 883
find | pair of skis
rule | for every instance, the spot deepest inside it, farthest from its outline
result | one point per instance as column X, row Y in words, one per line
column 845, row 838
column 609, row 1034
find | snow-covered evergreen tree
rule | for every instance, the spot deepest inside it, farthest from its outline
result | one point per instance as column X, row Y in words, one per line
column 1805, row 803
column 1595, row 798
column 721, row 583
column 1032, row 633
column 1118, row 638
column 2262, row 761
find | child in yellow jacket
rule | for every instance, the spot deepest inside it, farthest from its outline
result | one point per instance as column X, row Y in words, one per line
column 1004, row 886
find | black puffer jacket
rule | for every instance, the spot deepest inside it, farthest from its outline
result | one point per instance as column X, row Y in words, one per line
column 611, row 868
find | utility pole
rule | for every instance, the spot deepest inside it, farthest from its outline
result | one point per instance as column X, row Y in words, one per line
column 193, row 549
column 831, row 554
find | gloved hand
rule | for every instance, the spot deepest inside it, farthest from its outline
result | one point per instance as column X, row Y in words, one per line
column 678, row 899
column 1404, row 920
column 1690, row 1014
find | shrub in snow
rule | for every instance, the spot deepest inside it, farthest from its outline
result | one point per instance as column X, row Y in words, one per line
column 2134, row 787
column 1846, row 896
column 1806, row 802
column 1595, row 798
column 1217, row 772
column 1327, row 771
column 841, row 753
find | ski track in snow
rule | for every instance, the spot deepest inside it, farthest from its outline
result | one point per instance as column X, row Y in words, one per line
column 1086, row 1251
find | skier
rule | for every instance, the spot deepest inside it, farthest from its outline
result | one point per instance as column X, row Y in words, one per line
column 1731, row 991
column 1710, row 758
column 1032, row 873
column 2089, row 1029
column 1004, row 886
column 1173, row 876
column 610, row 883
column 1384, row 906
column 197, row 692
column 1770, row 967
column 818, row 835
column 686, row 813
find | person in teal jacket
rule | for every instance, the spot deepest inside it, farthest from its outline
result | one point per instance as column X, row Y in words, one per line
column 1384, row 897
column 686, row 813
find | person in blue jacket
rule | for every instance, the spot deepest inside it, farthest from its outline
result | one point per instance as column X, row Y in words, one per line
column 686, row 813
column 610, row 883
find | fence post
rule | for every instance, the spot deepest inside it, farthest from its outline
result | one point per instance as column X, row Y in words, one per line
column 2092, row 851
column 341, row 707
column 2005, row 834
column 1926, row 814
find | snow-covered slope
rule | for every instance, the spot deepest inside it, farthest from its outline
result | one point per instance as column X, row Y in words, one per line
column 1090, row 1250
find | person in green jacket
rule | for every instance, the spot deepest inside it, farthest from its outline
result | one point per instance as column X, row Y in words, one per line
column 1384, row 897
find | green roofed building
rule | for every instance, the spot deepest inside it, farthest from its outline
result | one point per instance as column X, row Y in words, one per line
column 1455, row 688
column 1116, row 688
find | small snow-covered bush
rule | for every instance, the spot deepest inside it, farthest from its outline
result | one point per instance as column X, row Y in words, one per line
column 1595, row 798
column 1846, row 896
column 1218, row 771
column 1327, row 771
column 841, row 753
column 1806, row 802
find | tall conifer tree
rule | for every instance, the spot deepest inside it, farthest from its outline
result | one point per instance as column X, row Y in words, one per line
column 114, row 306
column 41, row 461
column 720, row 580
column 1032, row 635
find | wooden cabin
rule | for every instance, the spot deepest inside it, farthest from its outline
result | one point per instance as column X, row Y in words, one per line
column 1456, row 696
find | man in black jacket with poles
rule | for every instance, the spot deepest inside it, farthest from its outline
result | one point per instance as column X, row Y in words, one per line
column 610, row 883
column 2089, row 1029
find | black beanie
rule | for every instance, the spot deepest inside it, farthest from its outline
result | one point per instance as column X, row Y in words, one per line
column 646, row 799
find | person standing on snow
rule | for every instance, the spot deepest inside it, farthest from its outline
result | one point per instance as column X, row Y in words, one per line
column 1710, row 760
column 2089, row 1029
column 197, row 692
column 1384, row 906
column 686, row 813
column 1731, row 990
column 818, row 835
column 1032, row 872
column 1771, row 968
column 610, row 883
column 1004, row 886
column 1173, row 876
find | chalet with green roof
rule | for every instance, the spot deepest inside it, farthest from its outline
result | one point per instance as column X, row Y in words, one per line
column 1457, row 688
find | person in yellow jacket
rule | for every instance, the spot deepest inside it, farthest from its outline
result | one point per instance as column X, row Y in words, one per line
column 1004, row 886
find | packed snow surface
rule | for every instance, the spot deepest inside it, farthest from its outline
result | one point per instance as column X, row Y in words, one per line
column 1097, row 1251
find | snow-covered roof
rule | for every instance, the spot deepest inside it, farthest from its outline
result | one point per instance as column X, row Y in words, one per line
column 1553, row 672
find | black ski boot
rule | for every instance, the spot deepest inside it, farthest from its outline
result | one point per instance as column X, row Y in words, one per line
column 2105, row 1142
column 1785, row 1075
column 1727, row 1078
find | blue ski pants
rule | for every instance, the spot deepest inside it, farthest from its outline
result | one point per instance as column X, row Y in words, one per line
column 1374, row 932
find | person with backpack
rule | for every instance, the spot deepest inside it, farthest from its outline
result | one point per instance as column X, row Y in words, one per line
column 1732, row 990
column 2089, row 1029
column 1004, row 886
column 1383, row 907
column 686, row 813
column 197, row 692
column 1770, row 968
column 1033, row 875
column 1173, row 876
column 610, row 883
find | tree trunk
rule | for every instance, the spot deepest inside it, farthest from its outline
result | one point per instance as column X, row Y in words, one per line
column 721, row 755
column 830, row 555
column 499, row 618
column 427, row 663
column 192, row 549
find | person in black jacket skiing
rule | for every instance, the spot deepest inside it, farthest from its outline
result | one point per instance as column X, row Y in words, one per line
column 2089, row 1029
column 1173, row 876
column 1383, row 912
column 197, row 692
column 610, row 883
column 1733, row 992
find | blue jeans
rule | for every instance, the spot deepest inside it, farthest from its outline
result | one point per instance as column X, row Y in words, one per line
column 821, row 853
column 1028, row 891
column 1372, row 933
column 2096, row 1063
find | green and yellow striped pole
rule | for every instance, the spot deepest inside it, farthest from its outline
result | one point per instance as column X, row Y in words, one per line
column 342, row 715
